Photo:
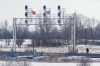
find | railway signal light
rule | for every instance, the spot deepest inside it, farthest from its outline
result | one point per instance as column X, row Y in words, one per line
column 26, row 7
column 44, row 7
column 59, row 7
column 44, row 14
column 26, row 14
column 59, row 14
column 26, row 21
column 59, row 20
column 59, row 11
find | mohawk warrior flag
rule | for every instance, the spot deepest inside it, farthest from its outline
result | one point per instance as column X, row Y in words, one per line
column 33, row 12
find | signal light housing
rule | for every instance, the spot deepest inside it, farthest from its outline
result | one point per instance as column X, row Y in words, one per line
column 44, row 7
column 59, row 7
column 26, row 14
column 26, row 21
column 26, row 7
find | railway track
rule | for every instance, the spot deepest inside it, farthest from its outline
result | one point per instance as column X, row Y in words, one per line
column 52, row 54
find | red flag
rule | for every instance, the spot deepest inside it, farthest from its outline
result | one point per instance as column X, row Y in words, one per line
column 33, row 12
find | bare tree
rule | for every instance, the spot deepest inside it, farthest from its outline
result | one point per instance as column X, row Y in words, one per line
column 6, row 32
column 21, row 34
column 44, row 27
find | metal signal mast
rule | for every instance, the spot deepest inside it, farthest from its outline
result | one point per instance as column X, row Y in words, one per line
column 59, row 19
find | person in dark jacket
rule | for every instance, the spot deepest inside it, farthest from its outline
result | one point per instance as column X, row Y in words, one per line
column 87, row 50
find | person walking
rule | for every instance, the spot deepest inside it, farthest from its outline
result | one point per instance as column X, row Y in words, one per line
column 87, row 50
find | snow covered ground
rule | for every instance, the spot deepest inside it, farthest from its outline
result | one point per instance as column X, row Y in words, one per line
column 49, row 59
column 81, row 48
column 93, row 49
column 24, row 63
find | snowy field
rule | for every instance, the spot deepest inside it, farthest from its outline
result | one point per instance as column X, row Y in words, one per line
column 64, row 49
column 80, row 48
column 24, row 63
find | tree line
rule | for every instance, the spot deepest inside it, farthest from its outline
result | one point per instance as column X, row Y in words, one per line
column 87, row 32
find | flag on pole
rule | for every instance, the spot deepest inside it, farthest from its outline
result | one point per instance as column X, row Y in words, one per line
column 33, row 12
column 48, row 12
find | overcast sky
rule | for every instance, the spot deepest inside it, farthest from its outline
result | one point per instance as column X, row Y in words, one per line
column 15, row 8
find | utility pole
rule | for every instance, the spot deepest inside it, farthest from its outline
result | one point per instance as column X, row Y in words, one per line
column 74, row 36
column 73, row 31
column 14, row 35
